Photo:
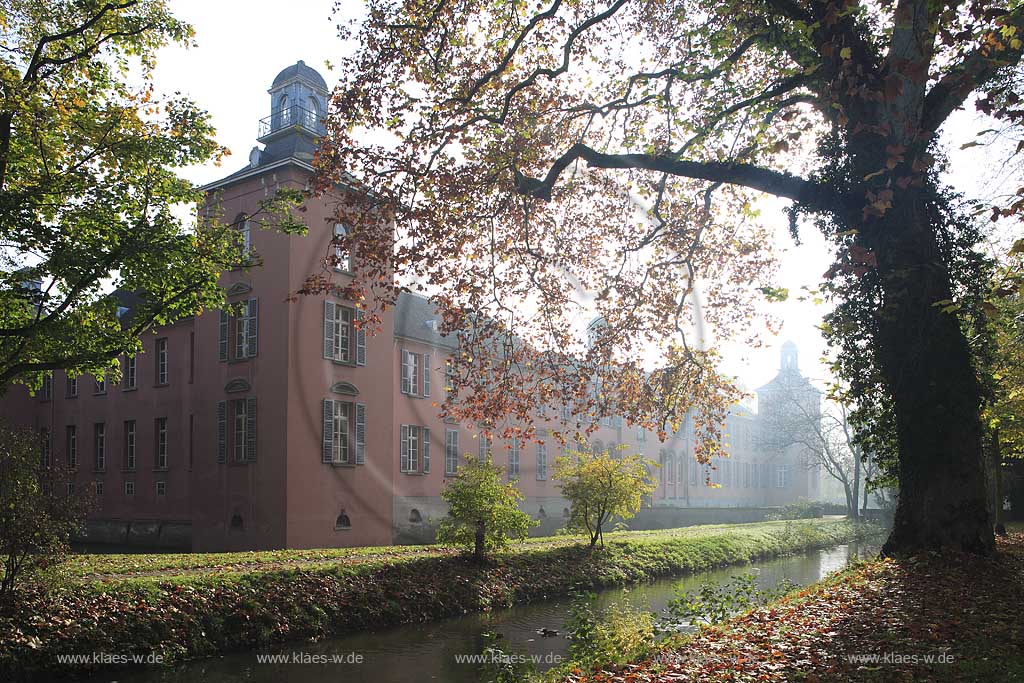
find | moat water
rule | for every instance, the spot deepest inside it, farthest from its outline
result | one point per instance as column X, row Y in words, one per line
column 437, row 651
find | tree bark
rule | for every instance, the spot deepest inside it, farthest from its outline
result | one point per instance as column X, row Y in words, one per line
column 478, row 546
column 851, row 500
column 926, row 363
column 997, row 485
column 856, row 484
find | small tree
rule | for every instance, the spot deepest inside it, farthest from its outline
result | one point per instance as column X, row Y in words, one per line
column 38, row 510
column 600, row 487
column 483, row 511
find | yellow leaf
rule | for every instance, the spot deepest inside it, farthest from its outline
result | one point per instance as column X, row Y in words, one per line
column 846, row 53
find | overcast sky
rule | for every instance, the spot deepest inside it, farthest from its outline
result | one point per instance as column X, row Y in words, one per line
column 243, row 44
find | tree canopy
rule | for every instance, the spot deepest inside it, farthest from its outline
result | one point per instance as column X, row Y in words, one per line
column 483, row 511
column 89, row 200
column 532, row 150
column 601, row 486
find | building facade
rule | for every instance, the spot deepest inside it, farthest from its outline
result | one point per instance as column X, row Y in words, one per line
column 280, row 425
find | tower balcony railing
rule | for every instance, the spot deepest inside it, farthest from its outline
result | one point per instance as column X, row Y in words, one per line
column 291, row 116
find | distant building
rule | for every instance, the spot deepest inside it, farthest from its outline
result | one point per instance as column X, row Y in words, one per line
column 789, row 399
column 284, row 427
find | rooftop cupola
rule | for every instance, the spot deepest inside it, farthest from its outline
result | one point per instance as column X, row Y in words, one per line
column 789, row 357
column 298, row 103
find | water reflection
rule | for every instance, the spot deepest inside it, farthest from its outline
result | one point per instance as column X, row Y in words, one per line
column 437, row 651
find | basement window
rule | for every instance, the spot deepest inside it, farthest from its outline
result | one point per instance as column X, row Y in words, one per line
column 343, row 522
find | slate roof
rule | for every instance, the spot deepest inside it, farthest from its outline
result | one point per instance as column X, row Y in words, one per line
column 413, row 314
column 300, row 70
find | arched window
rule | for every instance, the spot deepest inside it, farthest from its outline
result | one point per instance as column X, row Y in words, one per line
column 541, row 514
column 598, row 447
column 414, row 516
column 342, row 522
column 314, row 107
column 237, row 522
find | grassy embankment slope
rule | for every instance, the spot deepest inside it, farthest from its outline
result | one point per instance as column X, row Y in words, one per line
column 183, row 606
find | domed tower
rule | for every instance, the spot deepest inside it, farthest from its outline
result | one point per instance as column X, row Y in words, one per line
column 298, row 104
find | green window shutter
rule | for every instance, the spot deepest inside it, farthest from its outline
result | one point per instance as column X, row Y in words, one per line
column 252, row 341
column 426, row 450
column 329, row 314
column 250, row 428
column 222, row 336
column 327, row 454
column 222, row 431
column 360, row 341
column 360, row 433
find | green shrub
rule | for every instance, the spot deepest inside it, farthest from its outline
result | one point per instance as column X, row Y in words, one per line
column 616, row 634
column 713, row 603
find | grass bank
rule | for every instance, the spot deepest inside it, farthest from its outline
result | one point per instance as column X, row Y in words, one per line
column 185, row 606
column 948, row 617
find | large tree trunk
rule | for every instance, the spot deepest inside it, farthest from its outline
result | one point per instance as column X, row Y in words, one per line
column 864, row 506
column 479, row 539
column 926, row 364
column 999, row 523
column 856, row 485
column 851, row 501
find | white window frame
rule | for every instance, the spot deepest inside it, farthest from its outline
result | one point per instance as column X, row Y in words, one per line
column 451, row 451
column 449, row 376
column 410, row 373
column 341, row 339
column 247, row 330
column 161, row 488
column 46, row 441
column 161, row 443
column 513, row 460
column 130, row 373
column 130, row 444
column 342, row 257
column 342, row 438
column 162, row 374
column 484, row 446
column 542, row 462
column 782, row 476
column 71, row 433
column 409, row 448
column 100, row 445
column 129, row 488
column 245, row 240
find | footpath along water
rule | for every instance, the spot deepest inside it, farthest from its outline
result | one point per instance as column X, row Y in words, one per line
column 451, row 650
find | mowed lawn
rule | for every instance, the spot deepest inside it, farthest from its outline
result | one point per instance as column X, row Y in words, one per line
column 108, row 567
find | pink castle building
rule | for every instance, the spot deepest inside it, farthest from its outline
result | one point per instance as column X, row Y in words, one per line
column 284, row 427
